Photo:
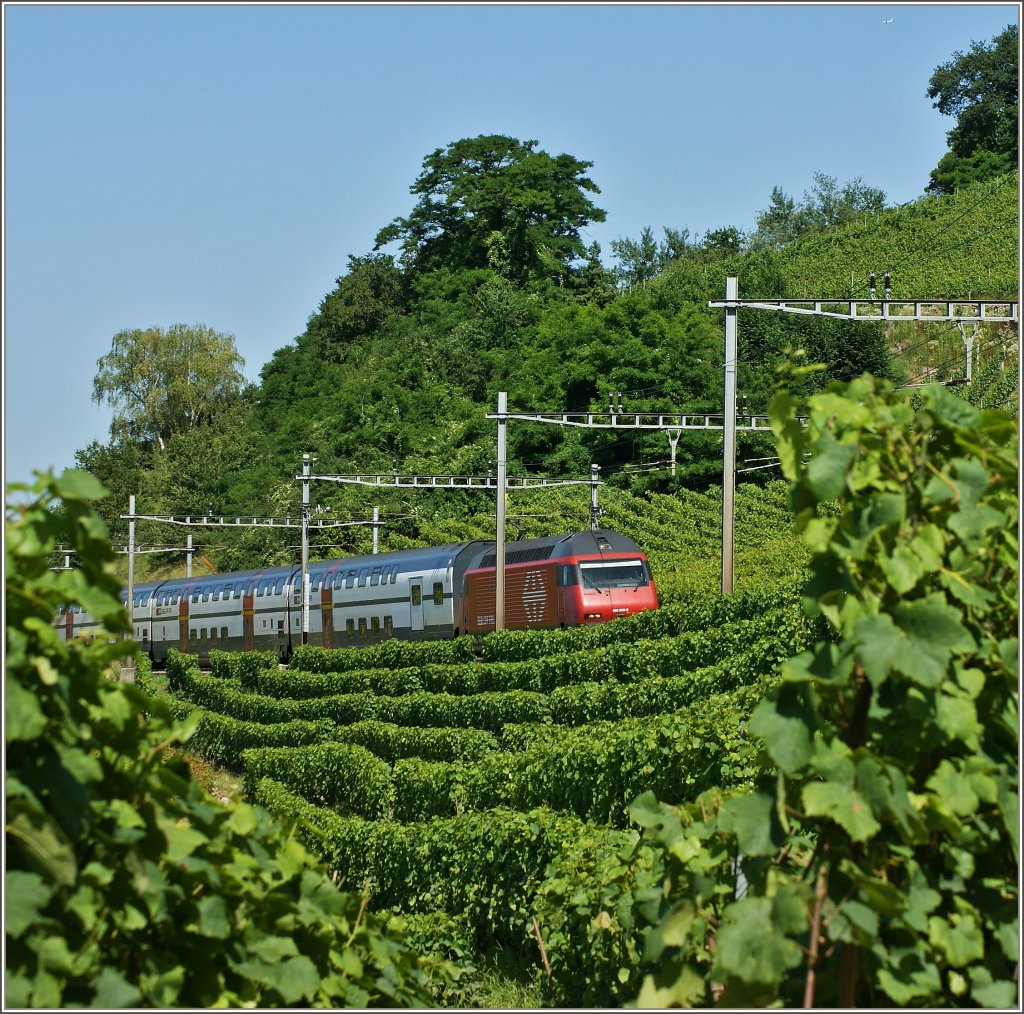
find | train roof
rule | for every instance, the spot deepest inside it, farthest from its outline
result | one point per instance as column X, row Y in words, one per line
column 571, row 544
column 408, row 559
column 472, row 554
column 425, row 557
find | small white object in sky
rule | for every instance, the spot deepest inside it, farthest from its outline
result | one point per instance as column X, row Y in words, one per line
column 887, row 21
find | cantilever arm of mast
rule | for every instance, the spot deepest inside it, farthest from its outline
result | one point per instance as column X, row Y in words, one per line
column 995, row 310
column 639, row 420
column 245, row 521
column 450, row 481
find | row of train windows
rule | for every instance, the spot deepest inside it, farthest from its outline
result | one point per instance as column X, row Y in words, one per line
column 373, row 576
column 352, row 626
column 416, row 596
column 202, row 635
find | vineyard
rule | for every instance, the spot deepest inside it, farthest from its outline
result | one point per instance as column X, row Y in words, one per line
column 475, row 788
column 466, row 785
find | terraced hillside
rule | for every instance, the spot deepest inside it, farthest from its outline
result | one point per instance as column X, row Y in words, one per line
column 472, row 787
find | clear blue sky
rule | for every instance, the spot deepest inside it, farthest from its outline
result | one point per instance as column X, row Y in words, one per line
column 218, row 164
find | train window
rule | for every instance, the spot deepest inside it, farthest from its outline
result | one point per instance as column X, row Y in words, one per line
column 438, row 593
column 350, row 627
column 145, row 634
column 350, row 579
column 195, row 596
column 566, row 575
column 394, row 573
column 228, row 588
column 362, row 576
column 362, row 626
column 375, row 577
column 202, row 635
column 389, row 626
column 416, row 597
column 192, row 635
column 375, row 624
column 614, row 574
column 279, row 587
column 223, row 633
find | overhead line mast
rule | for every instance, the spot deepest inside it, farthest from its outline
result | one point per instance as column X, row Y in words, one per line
column 923, row 309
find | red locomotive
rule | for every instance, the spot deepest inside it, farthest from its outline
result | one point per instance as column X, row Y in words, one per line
column 563, row 581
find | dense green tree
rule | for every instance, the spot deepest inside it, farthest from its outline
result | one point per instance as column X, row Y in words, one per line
column 727, row 241
column 163, row 382
column 981, row 89
column 366, row 297
column 779, row 223
column 827, row 205
column 480, row 189
column 638, row 260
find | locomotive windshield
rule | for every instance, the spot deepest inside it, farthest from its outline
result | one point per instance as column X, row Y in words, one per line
column 614, row 574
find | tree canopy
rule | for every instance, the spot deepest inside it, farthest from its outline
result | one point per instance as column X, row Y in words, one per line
column 981, row 89
column 160, row 383
column 494, row 201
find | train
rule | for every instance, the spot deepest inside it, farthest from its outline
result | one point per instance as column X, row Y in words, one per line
column 431, row 593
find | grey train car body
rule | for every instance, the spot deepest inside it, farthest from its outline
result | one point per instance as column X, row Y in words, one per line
column 353, row 602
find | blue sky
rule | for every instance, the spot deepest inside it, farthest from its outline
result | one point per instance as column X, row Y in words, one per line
column 219, row 163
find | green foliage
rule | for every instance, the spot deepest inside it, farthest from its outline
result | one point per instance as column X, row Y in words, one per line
column 162, row 382
column 122, row 876
column 981, row 88
column 825, row 206
column 244, row 666
column 494, row 200
column 391, row 654
column 881, row 862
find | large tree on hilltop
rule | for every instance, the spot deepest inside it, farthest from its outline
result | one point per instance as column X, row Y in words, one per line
column 980, row 88
column 494, row 201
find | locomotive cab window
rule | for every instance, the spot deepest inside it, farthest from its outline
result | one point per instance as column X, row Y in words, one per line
column 614, row 574
column 566, row 575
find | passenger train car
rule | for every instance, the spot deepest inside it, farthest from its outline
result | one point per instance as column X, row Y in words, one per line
column 412, row 594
